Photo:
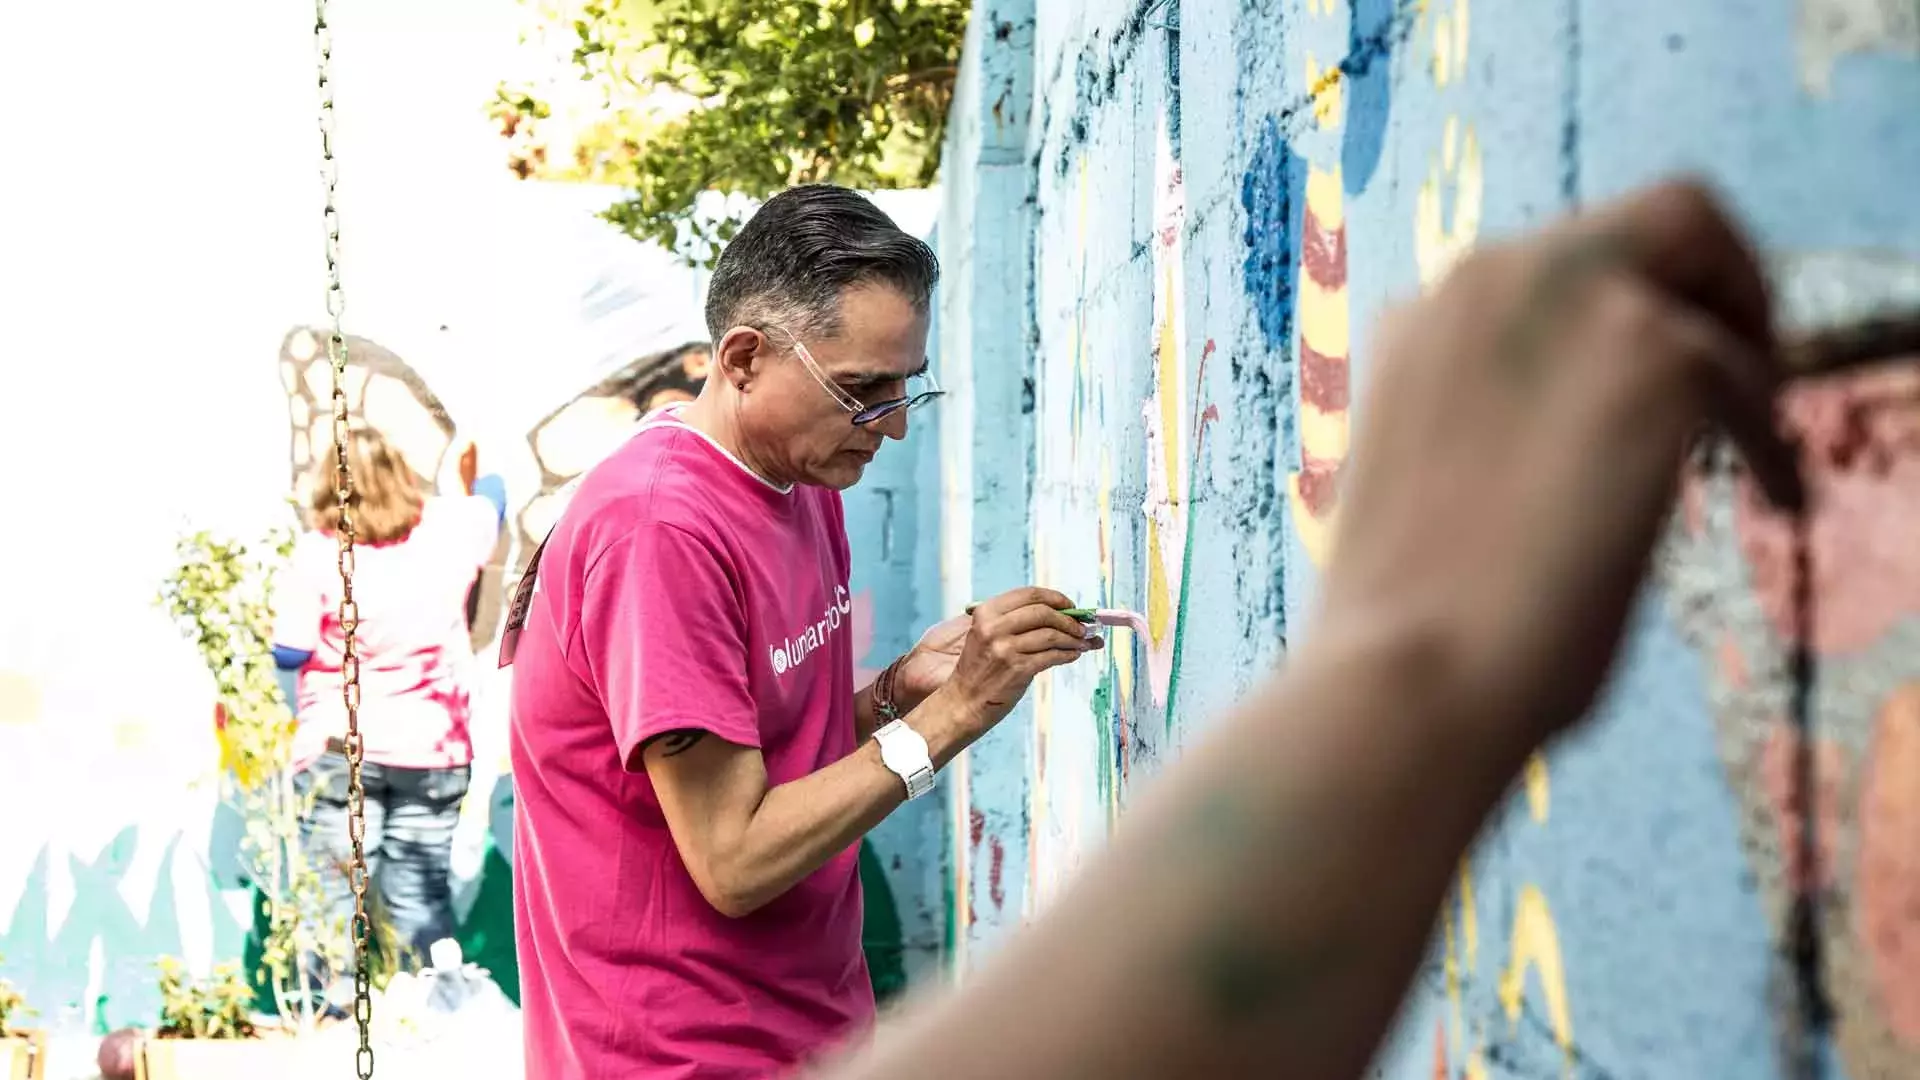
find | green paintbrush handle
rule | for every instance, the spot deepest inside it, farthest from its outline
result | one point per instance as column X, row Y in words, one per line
column 1084, row 614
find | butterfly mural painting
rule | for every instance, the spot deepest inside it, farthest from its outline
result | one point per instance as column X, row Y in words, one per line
column 570, row 439
column 387, row 394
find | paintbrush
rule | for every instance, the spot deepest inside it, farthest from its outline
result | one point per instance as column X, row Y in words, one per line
column 1884, row 336
column 1132, row 620
column 1889, row 335
column 1084, row 614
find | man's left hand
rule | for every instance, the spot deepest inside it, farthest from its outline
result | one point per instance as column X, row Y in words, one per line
column 929, row 663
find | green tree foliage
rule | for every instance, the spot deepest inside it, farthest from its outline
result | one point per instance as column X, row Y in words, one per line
column 736, row 97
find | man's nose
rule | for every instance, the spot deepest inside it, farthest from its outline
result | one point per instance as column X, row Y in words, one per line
column 893, row 425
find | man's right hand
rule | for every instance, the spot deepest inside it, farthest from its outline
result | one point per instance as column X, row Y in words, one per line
column 746, row 840
column 1014, row 637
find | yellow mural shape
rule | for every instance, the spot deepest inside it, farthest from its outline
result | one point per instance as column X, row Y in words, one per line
column 1450, row 44
column 1440, row 238
column 961, row 830
column 1159, row 603
column 1539, row 799
column 1461, row 956
column 1121, row 648
column 1469, row 921
column 1168, row 401
column 1325, row 198
column 1323, row 435
column 1451, row 965
column 1323, row 319
column 19, row 698
column 1323, row 85
column 1170, row 379
column 1536, row 947
column 1104, row 499
column 1316, row 534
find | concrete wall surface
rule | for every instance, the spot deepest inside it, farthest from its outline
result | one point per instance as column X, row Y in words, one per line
column 1168, row 228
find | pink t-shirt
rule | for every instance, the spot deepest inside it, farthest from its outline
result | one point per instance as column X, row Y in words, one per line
column 413, row 642
column 679, row 590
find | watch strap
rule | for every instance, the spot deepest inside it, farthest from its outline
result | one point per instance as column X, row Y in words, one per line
column 897, row 740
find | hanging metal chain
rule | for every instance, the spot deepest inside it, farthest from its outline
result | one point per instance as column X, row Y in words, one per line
column 349, row 613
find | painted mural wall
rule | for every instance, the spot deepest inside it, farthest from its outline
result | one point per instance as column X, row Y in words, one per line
column 1169, row 227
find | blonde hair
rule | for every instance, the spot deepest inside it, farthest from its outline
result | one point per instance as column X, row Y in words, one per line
column 387, row 499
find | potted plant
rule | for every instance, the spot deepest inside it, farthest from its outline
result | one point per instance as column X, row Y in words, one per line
column 23, row 1051
column 207, row 1031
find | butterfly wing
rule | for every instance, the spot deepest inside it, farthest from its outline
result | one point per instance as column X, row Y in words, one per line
column 576, row 436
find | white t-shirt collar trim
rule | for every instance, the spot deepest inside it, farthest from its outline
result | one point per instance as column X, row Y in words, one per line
column 669, row 416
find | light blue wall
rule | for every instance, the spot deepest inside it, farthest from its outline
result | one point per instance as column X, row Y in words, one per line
column 987, row 441
column 1627, row 900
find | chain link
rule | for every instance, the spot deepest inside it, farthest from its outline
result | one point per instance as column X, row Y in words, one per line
column 349, row 613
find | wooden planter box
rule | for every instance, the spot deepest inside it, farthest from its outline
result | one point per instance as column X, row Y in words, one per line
column 278, row 1057
column 24, row 1056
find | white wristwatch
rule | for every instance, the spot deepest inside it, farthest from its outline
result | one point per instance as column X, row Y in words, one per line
column 904, row 752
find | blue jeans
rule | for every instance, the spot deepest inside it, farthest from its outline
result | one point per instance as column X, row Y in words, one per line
column 411, row 814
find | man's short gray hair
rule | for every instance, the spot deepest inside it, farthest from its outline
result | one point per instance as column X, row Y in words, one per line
column 792, row 261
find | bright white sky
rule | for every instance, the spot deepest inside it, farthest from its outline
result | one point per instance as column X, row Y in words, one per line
column 159, row 232
column 160, row 215
column 160, row 164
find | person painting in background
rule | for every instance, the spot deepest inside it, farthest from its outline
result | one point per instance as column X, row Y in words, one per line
column 415, row 559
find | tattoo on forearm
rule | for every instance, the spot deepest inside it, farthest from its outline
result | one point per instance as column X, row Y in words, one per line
column 1241, row 981
column 1240, row 976
column 675, row 743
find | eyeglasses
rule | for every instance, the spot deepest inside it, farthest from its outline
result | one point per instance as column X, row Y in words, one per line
column 921, row 389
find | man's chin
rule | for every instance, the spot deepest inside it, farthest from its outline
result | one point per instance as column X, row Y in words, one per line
column 840, row 474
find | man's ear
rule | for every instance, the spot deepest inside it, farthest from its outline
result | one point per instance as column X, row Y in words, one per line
column 739, row 355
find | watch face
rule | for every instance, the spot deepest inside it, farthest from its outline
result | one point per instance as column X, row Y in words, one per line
column 897, row 752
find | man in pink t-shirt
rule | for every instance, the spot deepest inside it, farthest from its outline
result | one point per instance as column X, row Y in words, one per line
column 693, row 764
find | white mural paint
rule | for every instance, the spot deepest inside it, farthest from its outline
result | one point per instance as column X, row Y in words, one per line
column 1167, row 419
column 1830, row 29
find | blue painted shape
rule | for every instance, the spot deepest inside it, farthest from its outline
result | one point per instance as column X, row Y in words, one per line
column 493, row 488
column 1273, row 194
column 1370, row 39
column 288, row 658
